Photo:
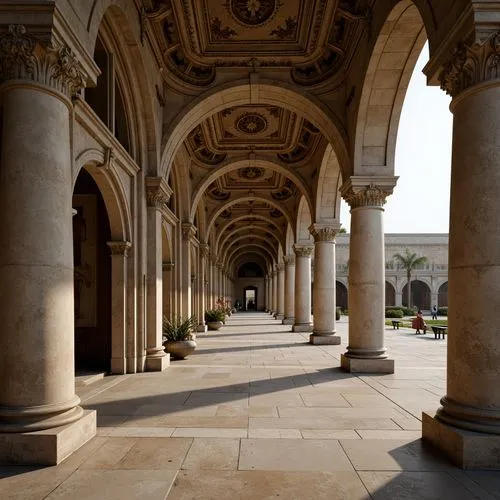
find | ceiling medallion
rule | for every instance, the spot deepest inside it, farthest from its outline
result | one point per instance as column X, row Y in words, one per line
column 252, row 13
column 251, row 123
column 275, row 213
column 251, row 173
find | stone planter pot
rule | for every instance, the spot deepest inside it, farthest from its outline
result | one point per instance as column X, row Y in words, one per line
column 214, row 325
column 180, row 349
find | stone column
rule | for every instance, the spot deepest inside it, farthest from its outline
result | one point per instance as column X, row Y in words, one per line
column 303, row 320
column 266, row 293
column 168, row 309
column 467, row 426
column 37, row 373
column 213, row 285
column 324, row 327
column 119, row 253
column 280, row 312
column 157, row 195
column 289, row 318
column 366, row 351
column 270, row 291
column 275, row 291
column 204, row 255
column 188, row 232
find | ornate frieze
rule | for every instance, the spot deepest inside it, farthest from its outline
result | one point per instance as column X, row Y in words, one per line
column 303, row 250
column 289, row 260
column 188, row 231
column 322, row 232
column 158, row 192
column 472, row 65
column 24, row 57
column 119, row 247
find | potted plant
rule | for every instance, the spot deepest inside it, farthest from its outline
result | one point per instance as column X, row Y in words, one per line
column 214, row 318
column 178, row 336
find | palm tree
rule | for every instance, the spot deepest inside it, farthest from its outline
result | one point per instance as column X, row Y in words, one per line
column 409, row 261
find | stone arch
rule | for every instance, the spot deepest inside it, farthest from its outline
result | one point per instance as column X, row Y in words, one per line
column 290, row 240
column 327, row 200
column 230, row 203
column 304, row 221
column 246, row 228
column 390, row 294
column 225, row 252
column 241, row 92
column 252, row 248
column 341, row 295
column 120, row 220
column 259, row 162
column 388, row 74
column 420, row 294
column 443, row 295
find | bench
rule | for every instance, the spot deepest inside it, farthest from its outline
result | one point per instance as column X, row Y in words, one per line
column 439, row 331
column 395, row 324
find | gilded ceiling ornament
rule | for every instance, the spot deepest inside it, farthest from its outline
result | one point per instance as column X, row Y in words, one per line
column 252, row 13
column 219, row 32
column 22, row 56
column 251, row 123
column 286, row 30
column 198, row 145
column 251, row 173
column 472, row 65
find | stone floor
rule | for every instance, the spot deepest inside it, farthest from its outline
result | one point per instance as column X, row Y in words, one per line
column 257, row 413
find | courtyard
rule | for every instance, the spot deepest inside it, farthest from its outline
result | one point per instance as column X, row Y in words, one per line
column 256, row 413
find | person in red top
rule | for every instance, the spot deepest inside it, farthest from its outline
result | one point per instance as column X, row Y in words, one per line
column 419, row 324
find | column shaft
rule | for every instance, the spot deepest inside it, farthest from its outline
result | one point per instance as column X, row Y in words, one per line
column 280, row 313
column 275, row 292
column 289, row 318
column 303, row 320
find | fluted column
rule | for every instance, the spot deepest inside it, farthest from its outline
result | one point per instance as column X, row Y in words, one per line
column 157, row 195
column 289, row 318
column 366, row 351
column 324, row 328
column 303, row 320
column 280, row 313
column 275, row 290
column 37, row 373
column 204, row 255
column 467, row 426
column 119, row 252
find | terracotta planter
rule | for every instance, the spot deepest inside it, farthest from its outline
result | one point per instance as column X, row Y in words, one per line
column 214, row 325
column 180, row 349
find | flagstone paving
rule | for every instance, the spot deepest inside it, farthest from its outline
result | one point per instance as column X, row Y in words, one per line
column 256, row 413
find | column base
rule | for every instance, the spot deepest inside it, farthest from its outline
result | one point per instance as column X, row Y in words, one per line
column 289, row 321
column 47, row 447
column 157, row 363
column 202, row 328
column 316, row 339
column 302, row 328
column 466, row 449
column 366, row 365
column 118, row 366
column 280, row 317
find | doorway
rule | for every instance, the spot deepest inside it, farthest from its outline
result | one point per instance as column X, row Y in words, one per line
column 250, row 298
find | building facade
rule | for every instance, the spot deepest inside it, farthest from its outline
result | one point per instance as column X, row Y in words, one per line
column 151, row 149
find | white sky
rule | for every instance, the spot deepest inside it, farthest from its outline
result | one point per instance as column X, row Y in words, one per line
column 421, row 199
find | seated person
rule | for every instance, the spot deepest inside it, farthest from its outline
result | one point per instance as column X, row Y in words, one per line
column 418, row 323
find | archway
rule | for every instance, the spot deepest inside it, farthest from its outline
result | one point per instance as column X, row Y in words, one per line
column 341, row 295
column 390, row 294
column 443, row 295
column 420, row 295
column 250, row 298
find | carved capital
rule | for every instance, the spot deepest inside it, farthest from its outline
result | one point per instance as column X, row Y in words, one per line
column 281, row 267
column 469, row 66
column 24, row 57
column 188, row 231
column 119, row 247
column 204, row 250
column 289, row 260
column 367, row 191
column 168, row 266
column 158, row 192
column 323, row 232
column 303, row 250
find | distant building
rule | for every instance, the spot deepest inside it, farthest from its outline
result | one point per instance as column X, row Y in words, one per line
column 429, row 283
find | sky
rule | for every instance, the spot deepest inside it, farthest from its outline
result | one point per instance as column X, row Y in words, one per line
column 421, row 198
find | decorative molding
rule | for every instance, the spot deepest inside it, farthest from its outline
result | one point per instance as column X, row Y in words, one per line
column 158, row 192
column 323, row 232
column 303, row 250
column 24, row 57
column 360, row 191
column 204, row 250
column 119, row 247
column 188, row 231
column 289, row 260
column 168, row 266
column 471, row 65
column 109, row 157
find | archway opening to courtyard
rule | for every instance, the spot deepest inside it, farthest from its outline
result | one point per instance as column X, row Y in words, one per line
column 443, row 295
column 390, row 294
column 92, row 276
column 420, row 295
column 341, row 295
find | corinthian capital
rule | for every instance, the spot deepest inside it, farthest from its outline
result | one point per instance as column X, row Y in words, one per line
column 119, row 247
column 367, row 191
column 303, row 250
column 24, row 57
column 188, row 231
column 289, row 260
column 205, row 250
column 469, row 66
column 324, row 232
column 158, row 192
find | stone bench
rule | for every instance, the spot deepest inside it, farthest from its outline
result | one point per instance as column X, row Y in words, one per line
column 439, row 331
